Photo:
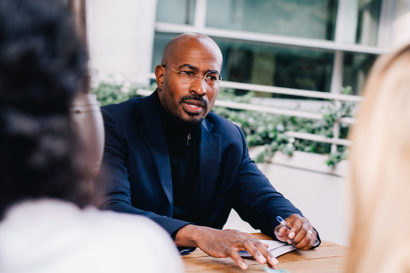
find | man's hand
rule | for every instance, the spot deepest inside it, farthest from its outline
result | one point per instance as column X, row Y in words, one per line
column 301, row 233
column 225, row 243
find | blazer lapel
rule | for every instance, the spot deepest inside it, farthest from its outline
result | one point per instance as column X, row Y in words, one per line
column 151, row 130
column 209, row 162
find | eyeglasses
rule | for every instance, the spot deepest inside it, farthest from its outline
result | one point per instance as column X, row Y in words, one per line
column 212, row 79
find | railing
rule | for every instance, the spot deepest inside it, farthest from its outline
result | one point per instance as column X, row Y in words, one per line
column 338, row 98
column 165, row 27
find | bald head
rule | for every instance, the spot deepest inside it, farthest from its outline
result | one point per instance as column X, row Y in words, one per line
column 188, row 77
column 176, row 46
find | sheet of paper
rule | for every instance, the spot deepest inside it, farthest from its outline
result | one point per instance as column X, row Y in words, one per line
column 275, row 248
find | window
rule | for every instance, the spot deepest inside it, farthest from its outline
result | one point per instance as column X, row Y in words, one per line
column 299, row 18
column 356, row 66
column 322, row 53
column 360, row 24
column 176, row 11
column 277, row 66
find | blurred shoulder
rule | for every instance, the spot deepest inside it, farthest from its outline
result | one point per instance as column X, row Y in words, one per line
column 83, row 240
column 137, row 238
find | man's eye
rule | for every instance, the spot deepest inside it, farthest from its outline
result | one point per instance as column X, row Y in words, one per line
column 211, row 77
column 187, row 72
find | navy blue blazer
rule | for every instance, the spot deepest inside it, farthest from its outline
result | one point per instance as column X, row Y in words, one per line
column 137, row 161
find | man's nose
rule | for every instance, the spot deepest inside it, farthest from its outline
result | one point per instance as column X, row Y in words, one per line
column 198, row 86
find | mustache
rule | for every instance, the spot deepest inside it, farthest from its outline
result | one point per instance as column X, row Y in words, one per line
column 197, row 98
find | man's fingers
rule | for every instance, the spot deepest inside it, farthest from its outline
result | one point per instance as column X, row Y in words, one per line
column 301, row 234
column 296, row 226
column 249, row 246
column 283, row 230
column 303, row 243
column 271, row 260
column 308, row 241
column 237, row 259
column 227, row 243
column 282, row 233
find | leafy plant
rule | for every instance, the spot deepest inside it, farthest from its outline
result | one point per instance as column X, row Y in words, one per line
column 110, row 93
column 335, row 157
column 269, row 130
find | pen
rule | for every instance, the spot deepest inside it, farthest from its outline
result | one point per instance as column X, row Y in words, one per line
column 282, row 222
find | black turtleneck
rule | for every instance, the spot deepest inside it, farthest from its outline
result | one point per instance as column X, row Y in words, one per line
column 182, row 140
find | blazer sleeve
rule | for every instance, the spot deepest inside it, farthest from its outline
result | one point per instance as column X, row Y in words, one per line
column 114, row 181
column 255, row 199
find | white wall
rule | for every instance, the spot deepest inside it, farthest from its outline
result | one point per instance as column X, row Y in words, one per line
column 321, row 197
column 120, row 36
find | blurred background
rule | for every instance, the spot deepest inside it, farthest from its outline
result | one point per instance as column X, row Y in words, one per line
column 292, row 78
column 266, row 42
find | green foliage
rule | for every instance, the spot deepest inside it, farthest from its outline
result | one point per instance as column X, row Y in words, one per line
column 110, row 93
column 334, row 110
column 269, row 130
column 335, row 157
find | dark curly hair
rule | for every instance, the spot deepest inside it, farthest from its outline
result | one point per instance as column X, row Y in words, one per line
column 43, row 65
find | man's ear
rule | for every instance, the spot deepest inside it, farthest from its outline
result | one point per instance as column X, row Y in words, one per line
column 159, row 75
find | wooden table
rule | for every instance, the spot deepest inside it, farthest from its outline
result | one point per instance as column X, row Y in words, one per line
column 328, row 258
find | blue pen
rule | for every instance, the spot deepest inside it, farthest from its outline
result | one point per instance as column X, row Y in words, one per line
column 282, row 222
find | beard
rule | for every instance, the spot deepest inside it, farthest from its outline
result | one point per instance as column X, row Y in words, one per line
column 193, row 119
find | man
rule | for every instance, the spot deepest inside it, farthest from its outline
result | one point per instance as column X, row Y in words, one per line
column 186, row 168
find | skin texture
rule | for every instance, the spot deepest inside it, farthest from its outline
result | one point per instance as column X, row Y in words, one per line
column 190, row 102
column 298, row 234
column 225, row 243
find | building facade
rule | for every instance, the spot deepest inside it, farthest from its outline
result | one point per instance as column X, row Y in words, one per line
column 317, row 45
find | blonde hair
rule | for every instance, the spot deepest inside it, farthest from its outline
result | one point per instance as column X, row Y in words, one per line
column 380, row 170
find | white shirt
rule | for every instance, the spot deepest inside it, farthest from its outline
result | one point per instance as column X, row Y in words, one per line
column 51, row 236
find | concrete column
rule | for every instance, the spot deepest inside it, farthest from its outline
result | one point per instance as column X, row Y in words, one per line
column 120, row 37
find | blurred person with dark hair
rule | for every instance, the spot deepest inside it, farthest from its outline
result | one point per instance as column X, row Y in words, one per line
column 379, row 170
column 44, row 225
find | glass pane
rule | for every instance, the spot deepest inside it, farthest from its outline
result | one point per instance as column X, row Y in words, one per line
column 276, row 66
column 368, row 17
column 300, row 18
column 267, row 65
column 160, row 41
column 361, row 21
column 176, row 11
column 356, row 67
